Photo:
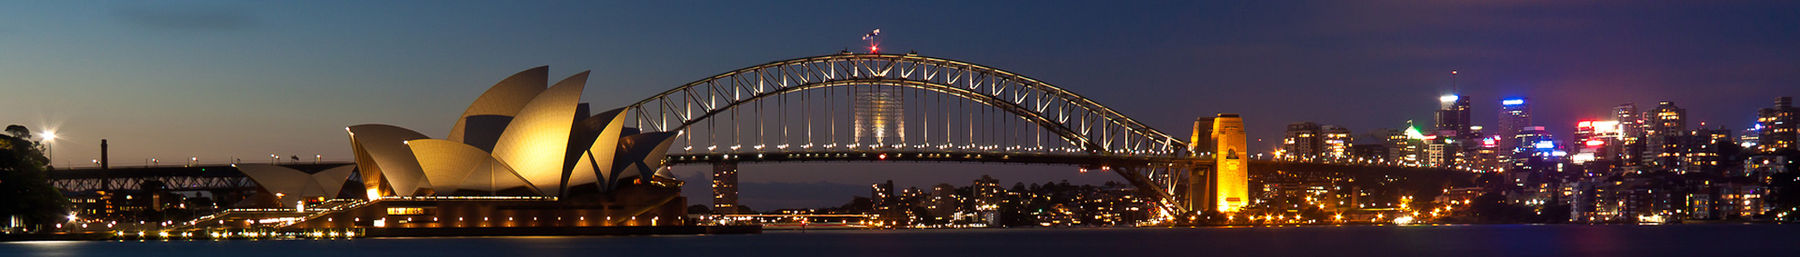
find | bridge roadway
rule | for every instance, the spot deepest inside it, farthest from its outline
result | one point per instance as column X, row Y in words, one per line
column 1078, row 159
column 175, row 178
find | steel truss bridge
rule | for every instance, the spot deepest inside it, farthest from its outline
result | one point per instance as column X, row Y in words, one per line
column 906, row 107
column 174, row 178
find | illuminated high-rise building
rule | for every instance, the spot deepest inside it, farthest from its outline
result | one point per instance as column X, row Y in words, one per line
column 1776, row 128
column 1453, row 130
column 1515, row 115
column 879, row 118
column 1595, row 146
column 1303, row 141
column 988, row 196
column 1453, row 117
column 1631, row 134
column 1664, row 128
column 1407, row 146
column 724, row 186
column 1703, row 150
column 1232, row 162
column 1538, row 154
column 1337, row 142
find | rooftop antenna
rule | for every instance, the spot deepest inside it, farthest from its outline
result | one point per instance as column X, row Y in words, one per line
column 1453, row 87
column 874, row 40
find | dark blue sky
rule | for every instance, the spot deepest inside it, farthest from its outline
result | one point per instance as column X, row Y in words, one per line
column 219, row 80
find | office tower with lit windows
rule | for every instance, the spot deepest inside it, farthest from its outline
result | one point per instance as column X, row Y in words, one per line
column 887, row 206
column 988, row 196
column 1453, row 130
column 1664, row 128
column 1303, row 141
column 1515, row 114
column 1477, row 155
column 1538, row 151
column 1776, row 128
column 1453, row 118
column 1631, row 134
column 1595, row 146
column 1337, row 143
column 1406, row 147
column 725, row 188
column 1706, row 150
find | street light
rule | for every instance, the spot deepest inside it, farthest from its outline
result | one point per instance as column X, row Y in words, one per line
column 49, row 151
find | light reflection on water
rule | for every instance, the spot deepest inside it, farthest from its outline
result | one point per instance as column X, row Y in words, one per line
column 1483, row 240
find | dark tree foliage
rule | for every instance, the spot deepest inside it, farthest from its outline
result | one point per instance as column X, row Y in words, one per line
column 24, row 189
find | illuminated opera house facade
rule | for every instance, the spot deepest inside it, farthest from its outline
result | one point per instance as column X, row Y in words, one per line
column 522, row 155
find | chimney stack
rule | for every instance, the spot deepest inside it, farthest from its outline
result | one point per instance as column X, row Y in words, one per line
column 103, row 162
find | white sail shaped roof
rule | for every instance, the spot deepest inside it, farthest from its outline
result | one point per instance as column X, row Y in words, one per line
column 602, row 150
column 333, row 179
column 447, row 163
column 292, row 184
column 503, row 99
column 388, row 158
column 641, row 155
column 535, row 142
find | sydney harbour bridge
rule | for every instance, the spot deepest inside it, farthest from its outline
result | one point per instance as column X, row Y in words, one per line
column 906, row 107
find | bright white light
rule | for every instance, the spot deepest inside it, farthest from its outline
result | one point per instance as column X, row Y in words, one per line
column 1447, row 98
column 49, row 135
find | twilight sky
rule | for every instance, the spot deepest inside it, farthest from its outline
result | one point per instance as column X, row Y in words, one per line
column 217, row 80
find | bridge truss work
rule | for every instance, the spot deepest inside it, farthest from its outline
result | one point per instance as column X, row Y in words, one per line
column 905, row 107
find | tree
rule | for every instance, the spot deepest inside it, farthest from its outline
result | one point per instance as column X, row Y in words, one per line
column 24, row 189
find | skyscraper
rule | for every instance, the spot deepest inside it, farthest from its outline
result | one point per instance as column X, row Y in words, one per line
column 1515, row 114
column 1775, row 126
column 1664, row 127
column 1453, row 118
column 1631, row 134
column 1453, row 132
column 724, row 187
column 1303, row 140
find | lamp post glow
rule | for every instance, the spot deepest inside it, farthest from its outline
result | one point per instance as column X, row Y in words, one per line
column 49, row 149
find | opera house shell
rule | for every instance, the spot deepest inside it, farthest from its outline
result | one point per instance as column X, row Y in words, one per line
column 518, row 139
column 521, row 152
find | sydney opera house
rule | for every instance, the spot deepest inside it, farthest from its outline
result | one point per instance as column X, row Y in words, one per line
column 522, row 155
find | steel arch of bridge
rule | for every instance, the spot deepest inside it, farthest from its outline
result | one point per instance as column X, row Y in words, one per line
column 1074, row 118
column 1148, row 158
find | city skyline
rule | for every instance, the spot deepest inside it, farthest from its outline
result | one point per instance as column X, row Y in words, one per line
column 217, row 80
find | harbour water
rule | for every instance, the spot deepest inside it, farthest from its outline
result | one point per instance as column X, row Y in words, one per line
column 1476, row 240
